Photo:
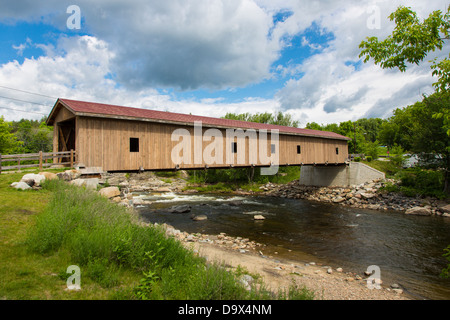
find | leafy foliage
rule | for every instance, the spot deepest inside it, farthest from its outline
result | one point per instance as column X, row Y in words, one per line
column 279, row 118
column 8, row 141
column 410, row 42
column 25, row 136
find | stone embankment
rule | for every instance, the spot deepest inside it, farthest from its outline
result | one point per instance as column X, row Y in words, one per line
column 369, row 195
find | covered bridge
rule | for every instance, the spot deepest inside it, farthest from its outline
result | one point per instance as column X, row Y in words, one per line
column 119, row 138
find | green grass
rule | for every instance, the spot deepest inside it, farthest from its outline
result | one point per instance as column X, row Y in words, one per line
column 29, row 275
column 45, row 231
column 388, row 167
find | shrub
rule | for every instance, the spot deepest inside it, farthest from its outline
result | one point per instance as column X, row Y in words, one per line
column 446, row 271
column 416, row 181
column 369, row 159
column 357, row 159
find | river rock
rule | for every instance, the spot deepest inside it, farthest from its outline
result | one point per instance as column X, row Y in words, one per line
column 366, row 195
column 445, row 209
column 395, row 286
column 259, row 217
column 200, row 217
column 180, row 209
column 110, row 192
column 235, row 203
column 138, row 201
column 338, row 199
column 163, row 189
column 419, row 211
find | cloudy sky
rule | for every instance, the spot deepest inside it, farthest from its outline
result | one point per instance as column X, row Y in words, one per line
column 205, row 57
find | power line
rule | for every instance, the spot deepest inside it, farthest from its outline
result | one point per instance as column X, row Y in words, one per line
column 46, row 105
column 36, row 94
column 23, row 111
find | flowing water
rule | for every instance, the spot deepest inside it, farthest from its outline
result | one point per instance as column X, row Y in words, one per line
column 408, row 249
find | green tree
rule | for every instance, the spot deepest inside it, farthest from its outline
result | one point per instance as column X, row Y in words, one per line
column 410, row 42
column 314, row 126
column 356, row 133
column 398, row 130
column 8, row 141
column 372, row 149
column 35, row 135
column 370, row 127
column 415, row 128
column 279, row 118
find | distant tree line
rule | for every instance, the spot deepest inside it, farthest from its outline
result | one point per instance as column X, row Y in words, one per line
column 25, row 136
column 415, row 129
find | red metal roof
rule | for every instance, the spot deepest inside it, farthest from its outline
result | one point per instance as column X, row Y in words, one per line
column 100, row 109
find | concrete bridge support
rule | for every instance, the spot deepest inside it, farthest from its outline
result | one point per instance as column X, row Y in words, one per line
column 354, row 173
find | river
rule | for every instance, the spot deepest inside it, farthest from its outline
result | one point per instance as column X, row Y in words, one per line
column 407, row 249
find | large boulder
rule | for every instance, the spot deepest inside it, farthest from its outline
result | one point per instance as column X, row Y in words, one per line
column 49, row 175
column 110, row 192
column 180, row 209
column 445, row 209
column 419, row 211
column 69, row 175
column 33, row 179
column 90, row 184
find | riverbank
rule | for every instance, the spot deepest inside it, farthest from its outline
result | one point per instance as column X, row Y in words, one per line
column 370, row 195
column 328, row 283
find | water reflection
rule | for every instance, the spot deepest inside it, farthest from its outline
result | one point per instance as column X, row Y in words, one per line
column 408, row 249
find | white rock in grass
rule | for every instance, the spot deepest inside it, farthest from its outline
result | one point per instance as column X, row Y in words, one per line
column 36, row 178
column 21, row 185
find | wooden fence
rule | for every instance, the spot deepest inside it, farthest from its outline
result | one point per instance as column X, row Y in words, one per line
column 40, row 159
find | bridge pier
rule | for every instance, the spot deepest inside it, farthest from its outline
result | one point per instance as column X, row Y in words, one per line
column 345, row 175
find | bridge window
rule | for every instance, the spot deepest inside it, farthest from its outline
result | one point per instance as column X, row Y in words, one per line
column 272, row 148
column 134, row 144
column 337, row 150
column 234, row 147
column 299, row 149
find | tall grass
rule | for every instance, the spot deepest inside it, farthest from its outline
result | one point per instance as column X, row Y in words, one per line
column 103, row 237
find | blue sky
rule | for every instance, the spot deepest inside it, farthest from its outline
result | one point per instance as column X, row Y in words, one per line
column 205, row 58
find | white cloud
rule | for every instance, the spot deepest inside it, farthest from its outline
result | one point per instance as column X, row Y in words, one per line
column 78, row 68
column 136, row 47
column 333, row 90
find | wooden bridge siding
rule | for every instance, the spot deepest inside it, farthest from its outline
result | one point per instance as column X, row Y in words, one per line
column 105, row 143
